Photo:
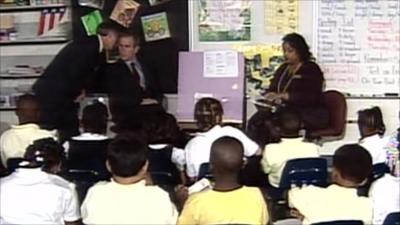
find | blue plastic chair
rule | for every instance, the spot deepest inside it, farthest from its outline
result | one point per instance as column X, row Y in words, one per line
column 303, row 171
column 341, row 222
column 204, row 171
column 298, row 172
column 162, row 178
column 378, row 171
column 392, row 219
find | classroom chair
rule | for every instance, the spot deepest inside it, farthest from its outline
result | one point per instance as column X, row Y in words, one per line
column 83, row 180
column 304, row 171
column 205, row 171
column 161, row 168
column 378, row 171
column 341, row 222
column 88, row 155
column 299, row 172
column 162, row 178
column 392, row 219
column 337, row 107
column 13, row 163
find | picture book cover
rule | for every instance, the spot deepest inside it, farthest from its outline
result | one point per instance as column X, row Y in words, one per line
column 124, row 11
column 155, row 26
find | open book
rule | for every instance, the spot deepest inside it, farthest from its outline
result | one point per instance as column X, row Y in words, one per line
column 263, row 104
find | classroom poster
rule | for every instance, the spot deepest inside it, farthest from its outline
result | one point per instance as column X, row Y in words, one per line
column 228, row 20
column 358, row 45
column 91, row 21
column 261, row 61
column 124, row 12
column 281, row 17
column 220, row 64
column 155, row 26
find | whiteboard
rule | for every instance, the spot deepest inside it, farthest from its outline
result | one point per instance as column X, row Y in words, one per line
column 350, row 64
column 358, row 45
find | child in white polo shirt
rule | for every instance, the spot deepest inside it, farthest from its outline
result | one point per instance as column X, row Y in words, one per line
column 208, row 113
column 372, row 129
column 33, row 194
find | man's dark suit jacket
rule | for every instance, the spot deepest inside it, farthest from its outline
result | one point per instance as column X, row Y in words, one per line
column 70, row 71
column 124, row 90
column 119, row 79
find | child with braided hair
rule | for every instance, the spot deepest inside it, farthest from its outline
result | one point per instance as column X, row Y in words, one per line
column 208, row 113
column 34, row 194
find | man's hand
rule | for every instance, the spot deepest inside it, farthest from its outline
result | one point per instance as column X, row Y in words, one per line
column 81, row 96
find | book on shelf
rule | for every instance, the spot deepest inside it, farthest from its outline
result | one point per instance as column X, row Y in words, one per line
column 25, row 70
column 16, row 3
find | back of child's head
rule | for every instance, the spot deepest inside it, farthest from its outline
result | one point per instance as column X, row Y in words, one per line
column 371, row 121
column 161, row 128
column 95, row 118
column 208, row 112
column 288, row 121
column 28, row 108
column 126, row 155
column 46, row 153
column 353, row 162
column 226, row 155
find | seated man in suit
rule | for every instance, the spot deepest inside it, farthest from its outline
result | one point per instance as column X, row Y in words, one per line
column 131, row 87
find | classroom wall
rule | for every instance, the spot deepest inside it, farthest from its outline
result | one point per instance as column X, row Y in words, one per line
column 308, row 27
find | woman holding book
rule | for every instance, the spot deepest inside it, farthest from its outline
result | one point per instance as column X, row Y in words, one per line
column 298, row 82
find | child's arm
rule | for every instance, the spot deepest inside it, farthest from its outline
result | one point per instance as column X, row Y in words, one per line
column 181, row 193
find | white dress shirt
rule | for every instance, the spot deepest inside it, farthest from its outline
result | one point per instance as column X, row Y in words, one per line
column 385, row 194
column 376, row 146
column 31, row 196
column 198, row 148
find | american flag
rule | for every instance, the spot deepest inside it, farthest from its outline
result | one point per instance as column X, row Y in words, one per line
column 50, row 18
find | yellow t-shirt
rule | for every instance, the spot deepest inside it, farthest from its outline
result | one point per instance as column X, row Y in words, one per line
column 245, row 205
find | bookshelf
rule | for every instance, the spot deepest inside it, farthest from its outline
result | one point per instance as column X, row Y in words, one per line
column 31, row 34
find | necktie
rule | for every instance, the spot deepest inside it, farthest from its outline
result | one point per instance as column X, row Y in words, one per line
column 135, row 73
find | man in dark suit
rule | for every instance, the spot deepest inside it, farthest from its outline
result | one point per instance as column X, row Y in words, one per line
column 66, row 77
column 132, row 88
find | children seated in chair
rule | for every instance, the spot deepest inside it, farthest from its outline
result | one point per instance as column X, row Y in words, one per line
column 87, row 151
column 33, row 194
column 13, row 142
column 228, row 202
column 127, row 199
column 291, row 146
column 208, row 114
column 372, row 129
column 352, row 164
